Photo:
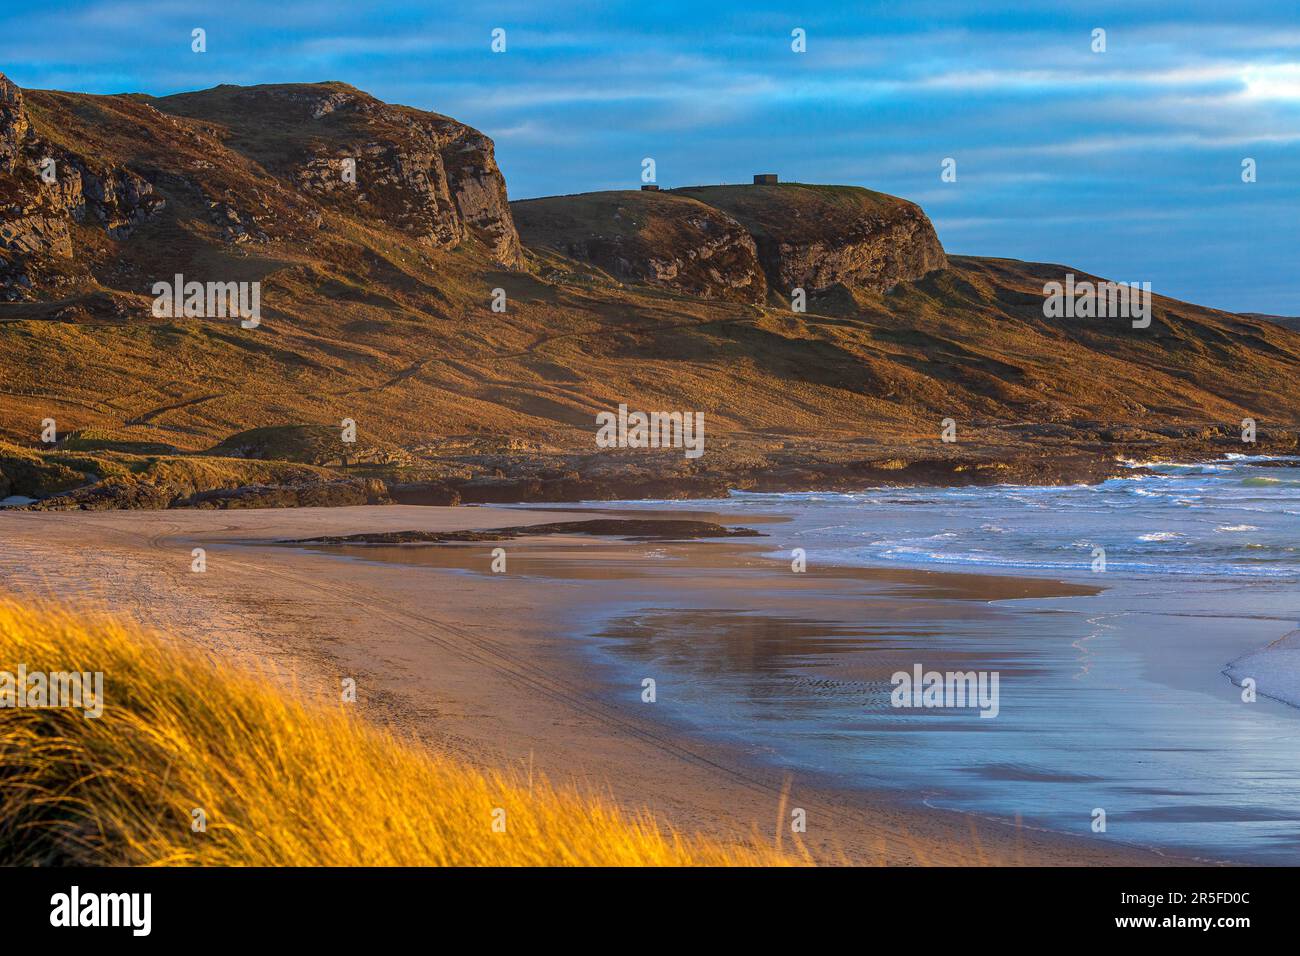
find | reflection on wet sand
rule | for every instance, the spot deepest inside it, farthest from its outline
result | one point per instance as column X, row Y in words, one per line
column 1108, row 698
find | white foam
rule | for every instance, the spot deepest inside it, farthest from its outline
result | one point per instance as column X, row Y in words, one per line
column 1275, row 669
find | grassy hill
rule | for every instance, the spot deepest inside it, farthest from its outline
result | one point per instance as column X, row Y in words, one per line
column 1288, row 321
column 377, row 306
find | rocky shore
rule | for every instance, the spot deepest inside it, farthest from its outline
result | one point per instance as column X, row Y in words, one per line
column 99, row 480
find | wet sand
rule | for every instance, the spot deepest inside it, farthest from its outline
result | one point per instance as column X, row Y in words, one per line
column 495, row 668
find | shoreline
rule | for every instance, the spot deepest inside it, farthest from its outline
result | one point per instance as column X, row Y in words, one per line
column 555, row 479
column 493, row 678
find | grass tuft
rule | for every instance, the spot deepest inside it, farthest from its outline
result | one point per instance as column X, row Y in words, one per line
column 280, row 781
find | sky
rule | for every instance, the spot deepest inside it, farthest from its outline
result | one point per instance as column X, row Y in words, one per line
column 1126, row 163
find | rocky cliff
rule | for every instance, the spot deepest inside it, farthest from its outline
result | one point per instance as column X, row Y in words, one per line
column 231, row 166
column 813, row 237
column 432, row 177
column 378, row 294
column 649, row 237
column 46, row 189
column 740, row 242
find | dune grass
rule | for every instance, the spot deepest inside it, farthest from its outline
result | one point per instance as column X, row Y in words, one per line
column 279, row 781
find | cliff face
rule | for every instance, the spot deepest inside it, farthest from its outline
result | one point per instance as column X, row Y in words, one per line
column 480, row 191
column 813, row 237
column 428, row 175
column 739, row 242
column 46, row 188
column 237, row 167
column 14, row 126
column 651, row 238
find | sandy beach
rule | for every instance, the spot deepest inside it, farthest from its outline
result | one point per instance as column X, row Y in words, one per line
column 491, row 667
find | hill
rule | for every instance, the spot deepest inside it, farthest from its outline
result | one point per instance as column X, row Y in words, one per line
column 1288, row 321
column 473, row 354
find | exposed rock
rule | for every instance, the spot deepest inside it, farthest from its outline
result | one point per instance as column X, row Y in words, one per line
column 14, row 127
column 423, row 493
column 409, row 189
column 119, row 199
column 324, row 175
column 325, row 494
column 37, row 235
column 36, row 213
column 111, row 494
column 426, row 174
column 813, row 237
column 736, row 242
column 649, row 237
column 508, row 490
column 236, row 226
column 322, row 104
column 480, row 191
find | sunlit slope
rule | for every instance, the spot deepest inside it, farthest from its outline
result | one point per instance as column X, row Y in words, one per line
column 378, row 307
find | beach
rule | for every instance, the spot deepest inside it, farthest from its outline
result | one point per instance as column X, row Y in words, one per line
column 497, row 668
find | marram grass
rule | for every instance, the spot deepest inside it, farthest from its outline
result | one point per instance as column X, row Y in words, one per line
column 279, row 781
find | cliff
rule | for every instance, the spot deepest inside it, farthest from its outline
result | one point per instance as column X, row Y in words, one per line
column 740, row 242
column 47, row 190
column 649, row 237
column 432, row 177
column 227, row 167
column 813, row 237
column 380, row 305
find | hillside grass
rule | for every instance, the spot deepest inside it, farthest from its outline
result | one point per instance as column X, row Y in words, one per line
column 795, row 211
column 42, row 473
column 114, row 440
column 281, row 782
column 24, row 471
column 364, row 322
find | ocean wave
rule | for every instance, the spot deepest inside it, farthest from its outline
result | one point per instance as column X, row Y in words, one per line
column 1113, row 564
column 1227, row 522
column 1275, row 669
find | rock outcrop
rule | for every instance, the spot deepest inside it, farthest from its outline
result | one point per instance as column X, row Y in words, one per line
column 243, row 165
column 739, row 242
column 44, row 188
column 651, row 238
column 428, row 175
column 14, row 127
column 813, row 237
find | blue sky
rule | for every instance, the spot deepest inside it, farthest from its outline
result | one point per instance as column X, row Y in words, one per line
column 1125, row 163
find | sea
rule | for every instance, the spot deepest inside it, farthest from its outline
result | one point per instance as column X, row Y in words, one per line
column 1157, row 705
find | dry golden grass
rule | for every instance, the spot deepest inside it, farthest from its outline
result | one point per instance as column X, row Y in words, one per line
column 281, row 782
